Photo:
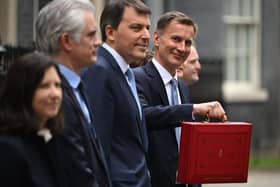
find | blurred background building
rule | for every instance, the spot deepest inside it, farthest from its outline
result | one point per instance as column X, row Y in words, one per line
column 238, row 43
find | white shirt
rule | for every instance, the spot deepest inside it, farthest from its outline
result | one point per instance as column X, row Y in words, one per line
column 166, row 78
column 121, row 62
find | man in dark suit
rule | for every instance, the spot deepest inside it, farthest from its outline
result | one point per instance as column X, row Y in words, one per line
column 67, row 31
column 164, row 98
column 112, row 91
column 188, row 72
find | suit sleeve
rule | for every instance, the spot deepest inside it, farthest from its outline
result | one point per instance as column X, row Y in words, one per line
column 159, row 116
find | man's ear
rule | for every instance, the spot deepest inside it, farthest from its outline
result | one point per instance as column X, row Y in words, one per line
column 66, row 41
column 156, row 39
column 110, row 33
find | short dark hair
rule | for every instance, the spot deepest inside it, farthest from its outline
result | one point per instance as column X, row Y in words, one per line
column 112, row 13
column 177, row 16
column 23, row 78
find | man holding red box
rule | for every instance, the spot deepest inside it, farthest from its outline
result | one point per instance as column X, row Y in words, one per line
column 165, row 99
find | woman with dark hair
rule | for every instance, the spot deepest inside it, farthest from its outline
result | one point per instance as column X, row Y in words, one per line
column 30, row 115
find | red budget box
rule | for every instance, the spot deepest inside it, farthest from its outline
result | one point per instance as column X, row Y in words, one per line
column 214, row 152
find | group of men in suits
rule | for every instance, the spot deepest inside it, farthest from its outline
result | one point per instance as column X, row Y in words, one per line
column 114, row 135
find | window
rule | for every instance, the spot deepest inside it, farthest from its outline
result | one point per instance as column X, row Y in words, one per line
column 242, row 51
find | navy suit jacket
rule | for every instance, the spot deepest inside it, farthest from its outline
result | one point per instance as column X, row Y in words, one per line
column 29, row 162
column 161, row 119
column 81, row 152
column 118, row 122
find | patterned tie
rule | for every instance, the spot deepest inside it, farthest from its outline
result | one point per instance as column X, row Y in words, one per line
column 131, row 81
column 175, row 101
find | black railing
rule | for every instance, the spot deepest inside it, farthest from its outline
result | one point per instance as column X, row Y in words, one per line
column 9, row 53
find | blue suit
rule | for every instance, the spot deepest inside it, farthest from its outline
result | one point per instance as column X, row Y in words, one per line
column 80, row 152
column 115, row 112
column 161, row 120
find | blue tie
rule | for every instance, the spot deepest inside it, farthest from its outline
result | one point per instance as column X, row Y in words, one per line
column 175, row 101
column 131, row 81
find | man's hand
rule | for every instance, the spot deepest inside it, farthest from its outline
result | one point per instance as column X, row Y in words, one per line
column 212, row 109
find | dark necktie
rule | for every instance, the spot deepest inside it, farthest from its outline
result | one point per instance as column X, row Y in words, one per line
column 83, row 103
column 85, row 109
column 131, row 81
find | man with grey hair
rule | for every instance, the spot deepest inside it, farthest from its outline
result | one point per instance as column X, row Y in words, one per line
column 66, row 30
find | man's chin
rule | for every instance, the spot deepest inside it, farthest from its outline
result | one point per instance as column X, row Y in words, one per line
column 140, row 56
column 195, row 80
column 93, row 60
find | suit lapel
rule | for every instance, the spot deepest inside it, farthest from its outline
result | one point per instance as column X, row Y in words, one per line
column 113, row 63
column 156, row 82
column 69, row 92
column 102, row 52
column 158, row 85
column 184, row 92
column 96, row 143
column 94, row 140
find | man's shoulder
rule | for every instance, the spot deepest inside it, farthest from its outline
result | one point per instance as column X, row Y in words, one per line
column 142, row 70
column 138, row 70
column 101, row 68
